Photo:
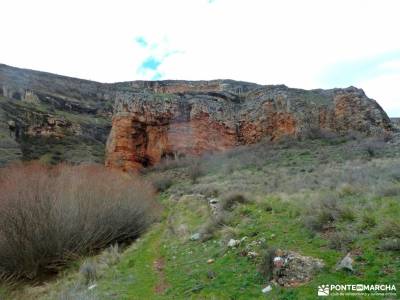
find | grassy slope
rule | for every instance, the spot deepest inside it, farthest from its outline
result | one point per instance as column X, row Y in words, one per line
column 236, row 276
column 274, row 214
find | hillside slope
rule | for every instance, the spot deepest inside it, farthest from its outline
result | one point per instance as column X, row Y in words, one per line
column 318, row 199
column 56, row 118
column 52, row 118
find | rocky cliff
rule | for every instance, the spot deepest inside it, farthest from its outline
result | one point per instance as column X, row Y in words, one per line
column 52, row 118
column 56, row 118
column 173, row 118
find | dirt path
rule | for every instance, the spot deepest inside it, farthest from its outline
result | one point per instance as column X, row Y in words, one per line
column 162, row 285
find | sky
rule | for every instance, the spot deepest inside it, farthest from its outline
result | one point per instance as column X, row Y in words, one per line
column 303, row 44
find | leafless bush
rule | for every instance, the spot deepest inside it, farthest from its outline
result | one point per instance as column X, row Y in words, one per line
column 213, row 224
column 388, row 136
column 161, row 182
column 353, row 135
column 50, row 215
column 110, row 256
column 265, row 268
column 232, row 198
column 324, row 211
column 316, row 133
column 195, row 170
column 208, row 229
column 388, row 189
column 372, row 146
column 287, row 141
column 389, row 229
column 89, row 271
column 341, row 240
column 390, row 245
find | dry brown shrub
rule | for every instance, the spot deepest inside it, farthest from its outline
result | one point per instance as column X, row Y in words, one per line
column 49, row 215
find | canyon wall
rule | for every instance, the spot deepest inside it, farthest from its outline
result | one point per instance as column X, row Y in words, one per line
column 173, row 119
column 56, row 118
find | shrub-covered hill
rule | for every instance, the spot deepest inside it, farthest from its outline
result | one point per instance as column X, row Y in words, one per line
column 281, row 216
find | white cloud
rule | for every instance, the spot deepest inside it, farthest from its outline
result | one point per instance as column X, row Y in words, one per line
column 383, row 89
column 264, row 41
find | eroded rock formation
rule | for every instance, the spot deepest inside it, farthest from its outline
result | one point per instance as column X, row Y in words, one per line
column 52, row 118
column 58, row 118
column 174, row 118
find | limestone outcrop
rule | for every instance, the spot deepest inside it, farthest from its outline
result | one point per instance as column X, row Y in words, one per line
column 172, row 119
column 57, row 118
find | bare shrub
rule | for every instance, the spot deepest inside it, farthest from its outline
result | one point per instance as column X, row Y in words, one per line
column 265, row 268
column 353, row 135
column 161, row 182
column 372, row 146
column 110, row 256
column 50, row 215
column 324, row 211
column 229, row 232
column 316, row 133
column 213, row 224
column 390, row 245
column 388, row 189
column 341, row 240
column 232, row 198
column 89, row 271
column 195, row 170
column 389, row 229
column 208, row 229
column 388, row 136
column 287, row 141
column 208, row 190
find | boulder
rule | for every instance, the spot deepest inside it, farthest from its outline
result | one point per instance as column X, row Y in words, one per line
column 291, row 269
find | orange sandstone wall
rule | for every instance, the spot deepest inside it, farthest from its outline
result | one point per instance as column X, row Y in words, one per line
column 177, row 119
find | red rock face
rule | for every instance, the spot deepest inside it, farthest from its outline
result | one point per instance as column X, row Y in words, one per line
column 191, row 120
column 133, row 145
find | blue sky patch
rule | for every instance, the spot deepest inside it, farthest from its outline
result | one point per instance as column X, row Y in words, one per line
column 141, row 41
column 348, row 73
column 150, row 63
column 156, row 76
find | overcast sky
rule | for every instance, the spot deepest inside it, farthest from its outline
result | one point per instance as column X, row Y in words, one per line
column 305, row 44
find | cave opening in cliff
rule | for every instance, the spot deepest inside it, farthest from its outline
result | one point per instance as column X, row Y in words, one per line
column 145, row 161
